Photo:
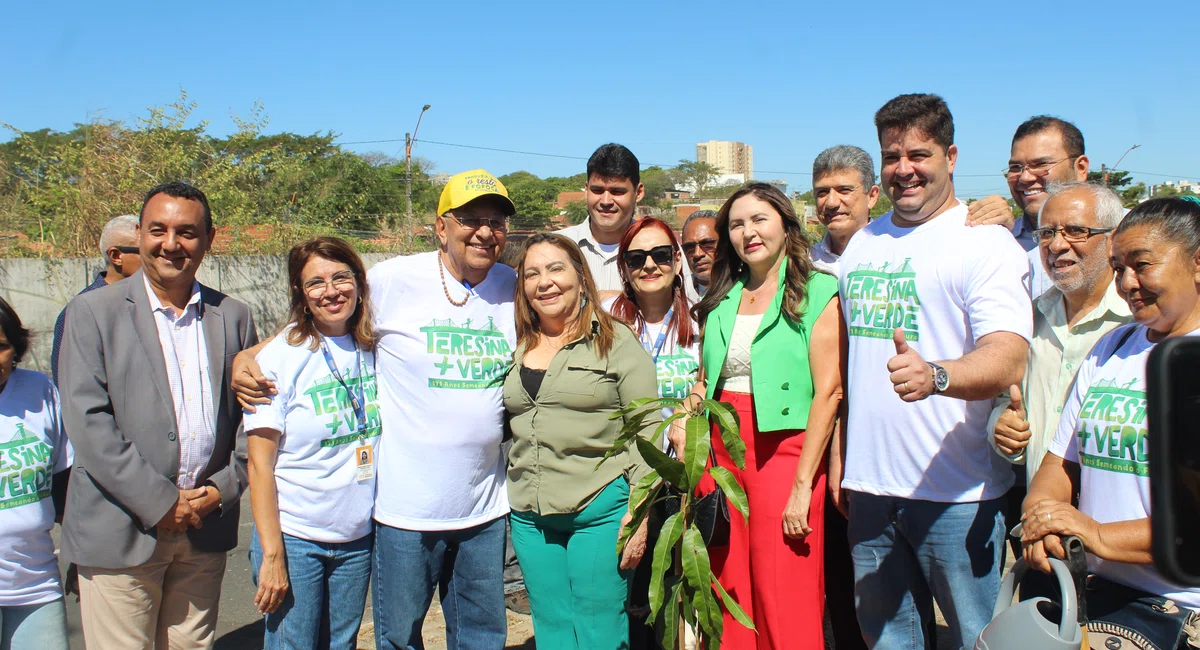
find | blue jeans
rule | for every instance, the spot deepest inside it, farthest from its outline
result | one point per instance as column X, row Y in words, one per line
column 43, row 627
column 908, row 552
column 467, row 567
column 326, row 596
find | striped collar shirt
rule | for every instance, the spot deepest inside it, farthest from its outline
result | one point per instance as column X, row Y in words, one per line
column 186, row 353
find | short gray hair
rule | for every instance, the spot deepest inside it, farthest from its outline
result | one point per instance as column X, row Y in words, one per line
column 845, row 156
column 1109, row 210
column 700, row 214
column 117, row 228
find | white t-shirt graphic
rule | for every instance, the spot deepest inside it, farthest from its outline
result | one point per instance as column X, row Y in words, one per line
column 441, row 369
column 320, row 496
column 33, row 448
column 677, row 366
column 1103, row 429
column 946, row 285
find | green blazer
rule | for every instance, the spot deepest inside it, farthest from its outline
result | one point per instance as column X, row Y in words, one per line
column 781, row 380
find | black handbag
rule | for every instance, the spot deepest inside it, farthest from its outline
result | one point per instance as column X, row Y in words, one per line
column 1131, row 619
column 712, row 514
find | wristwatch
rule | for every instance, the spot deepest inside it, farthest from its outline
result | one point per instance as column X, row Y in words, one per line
column 941, row 378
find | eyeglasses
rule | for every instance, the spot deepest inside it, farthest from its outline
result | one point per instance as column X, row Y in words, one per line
column 126, row 249
column 1073, row 234
column 662, row 256
column 475, row 223
column 706, row 245
column 1039, row 168
column 341, row 281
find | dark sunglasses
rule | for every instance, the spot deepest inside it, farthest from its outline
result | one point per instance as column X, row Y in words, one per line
column 126, row 249
column 662, row 256
column 706, row 245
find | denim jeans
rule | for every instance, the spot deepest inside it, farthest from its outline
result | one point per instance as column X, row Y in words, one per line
column 43, row 626
column 467, row 567
column 328, row 592
column 908, row 552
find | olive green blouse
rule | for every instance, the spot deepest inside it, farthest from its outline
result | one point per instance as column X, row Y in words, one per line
column 560, row 436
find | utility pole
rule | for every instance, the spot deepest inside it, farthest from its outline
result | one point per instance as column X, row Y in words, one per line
column 409, row 140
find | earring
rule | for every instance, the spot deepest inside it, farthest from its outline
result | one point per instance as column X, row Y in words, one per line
column 306, row 311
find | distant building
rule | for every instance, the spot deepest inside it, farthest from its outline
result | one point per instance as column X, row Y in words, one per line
column 677, row 195
column 728, row 157
column 685, row 210
column 778, row 184
column 1180, row 187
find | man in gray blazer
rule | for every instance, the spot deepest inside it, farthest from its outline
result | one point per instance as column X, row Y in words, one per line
column 160, row 455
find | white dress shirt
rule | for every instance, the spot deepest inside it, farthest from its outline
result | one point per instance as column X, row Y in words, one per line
column 1054, row 357
column 186, row 353
column 823, row 257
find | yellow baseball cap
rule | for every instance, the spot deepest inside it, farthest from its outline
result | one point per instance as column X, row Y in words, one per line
column 463, row 188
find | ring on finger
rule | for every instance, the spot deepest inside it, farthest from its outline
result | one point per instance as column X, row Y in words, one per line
column 905, row 386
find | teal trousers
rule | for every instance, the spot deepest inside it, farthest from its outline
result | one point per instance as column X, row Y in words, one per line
column 576, row 592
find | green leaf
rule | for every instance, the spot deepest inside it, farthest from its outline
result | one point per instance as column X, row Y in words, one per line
column 698, row 573
column 666, row 424
column 670, row 617
column 735, row 610
column 631, row 429
column 729, row 425
column 733, row 491
column 638, row 403
column 667, row 467
column 640, row 498
column 696, row 450
column 672, row 529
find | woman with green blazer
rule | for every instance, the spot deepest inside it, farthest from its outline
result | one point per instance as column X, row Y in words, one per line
column 774, row 346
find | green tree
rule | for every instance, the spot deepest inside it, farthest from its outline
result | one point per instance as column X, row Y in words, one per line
column 658, row 181
column 1119, row 182
column 882, row 206
column 697, row 174
column 576, row 212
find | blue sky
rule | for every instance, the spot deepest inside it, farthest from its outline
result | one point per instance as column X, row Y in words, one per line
column 790, row 78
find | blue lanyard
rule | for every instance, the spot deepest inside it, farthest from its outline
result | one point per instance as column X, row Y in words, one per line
column 662, row 337
column 356, row 399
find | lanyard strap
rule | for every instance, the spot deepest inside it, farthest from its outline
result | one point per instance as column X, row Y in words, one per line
column 356, row 399
column 662, row 337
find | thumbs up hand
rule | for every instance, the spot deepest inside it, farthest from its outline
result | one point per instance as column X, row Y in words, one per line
column 912, row 377
column 1012, row 429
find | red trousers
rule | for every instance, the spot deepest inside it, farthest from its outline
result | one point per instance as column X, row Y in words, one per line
column 779, row 582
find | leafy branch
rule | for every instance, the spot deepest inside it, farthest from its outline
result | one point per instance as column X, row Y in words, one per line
column 682, row 584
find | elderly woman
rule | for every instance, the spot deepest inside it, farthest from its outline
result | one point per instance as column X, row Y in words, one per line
column 312, row 455
column 572, row 369
column 774, row 347
column 1099, row 450
column 34, row 456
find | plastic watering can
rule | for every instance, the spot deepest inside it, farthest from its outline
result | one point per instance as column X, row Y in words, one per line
column 1040, row 623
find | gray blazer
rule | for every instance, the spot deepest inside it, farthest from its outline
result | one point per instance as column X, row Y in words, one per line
column 120, row 419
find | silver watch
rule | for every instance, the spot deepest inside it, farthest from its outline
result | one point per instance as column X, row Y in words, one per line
column 941, row 378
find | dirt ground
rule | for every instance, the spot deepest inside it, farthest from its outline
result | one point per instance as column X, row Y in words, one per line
column 520, row 630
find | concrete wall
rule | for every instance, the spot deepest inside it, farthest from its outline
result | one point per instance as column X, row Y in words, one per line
column 38, row 289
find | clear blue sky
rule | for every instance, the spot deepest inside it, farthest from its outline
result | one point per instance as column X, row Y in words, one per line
column 788, row 77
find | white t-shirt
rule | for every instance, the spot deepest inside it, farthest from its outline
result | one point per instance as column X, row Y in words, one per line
column 1103, row 429
column 33, row 448
column 677, row 366
column 441, row 369
column 320, row 496
column 947, row 285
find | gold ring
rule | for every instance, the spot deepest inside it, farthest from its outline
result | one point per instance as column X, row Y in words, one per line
column 905, row 386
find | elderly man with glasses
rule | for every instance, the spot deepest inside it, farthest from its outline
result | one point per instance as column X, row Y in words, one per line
column 700, row 238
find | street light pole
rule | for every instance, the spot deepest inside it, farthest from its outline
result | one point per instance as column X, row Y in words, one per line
column 1114, row 167
column 408, row 144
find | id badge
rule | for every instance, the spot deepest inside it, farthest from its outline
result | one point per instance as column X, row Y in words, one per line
column 364, row 463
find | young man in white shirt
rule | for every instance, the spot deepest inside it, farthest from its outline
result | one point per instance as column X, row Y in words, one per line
column 613, row 190
column 939, row 317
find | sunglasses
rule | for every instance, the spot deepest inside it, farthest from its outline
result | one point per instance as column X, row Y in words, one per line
column 127, row 250
column 662, row 256
column 706, row 245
